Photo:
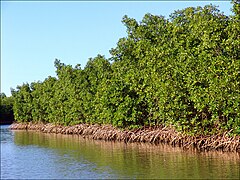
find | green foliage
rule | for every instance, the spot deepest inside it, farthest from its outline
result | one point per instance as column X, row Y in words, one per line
column 183, row 71
column 6, row 104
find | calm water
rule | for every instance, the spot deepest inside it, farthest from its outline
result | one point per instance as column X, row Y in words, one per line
column 28, row 154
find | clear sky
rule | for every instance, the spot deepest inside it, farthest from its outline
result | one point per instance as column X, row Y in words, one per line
column 33, row 34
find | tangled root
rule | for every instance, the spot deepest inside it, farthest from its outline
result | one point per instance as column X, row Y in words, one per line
column 154, row 135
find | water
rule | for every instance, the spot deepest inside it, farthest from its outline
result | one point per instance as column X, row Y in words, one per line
column 35, row 155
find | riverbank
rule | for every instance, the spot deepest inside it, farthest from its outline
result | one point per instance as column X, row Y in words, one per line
column 156, row 135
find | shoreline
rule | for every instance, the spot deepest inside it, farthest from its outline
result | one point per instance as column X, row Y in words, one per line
column 153, row 135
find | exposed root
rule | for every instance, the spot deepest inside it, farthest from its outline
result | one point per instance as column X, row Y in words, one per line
column 154, row 135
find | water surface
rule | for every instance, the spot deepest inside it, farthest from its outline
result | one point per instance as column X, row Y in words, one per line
column 30, row 154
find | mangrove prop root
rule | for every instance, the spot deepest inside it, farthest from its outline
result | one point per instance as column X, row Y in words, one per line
column 148, row 135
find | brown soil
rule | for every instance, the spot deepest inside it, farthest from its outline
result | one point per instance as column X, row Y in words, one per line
column 156, row 135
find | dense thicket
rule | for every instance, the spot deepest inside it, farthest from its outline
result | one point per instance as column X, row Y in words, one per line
column 6, row 109
column 6, row 104
column 183, row 71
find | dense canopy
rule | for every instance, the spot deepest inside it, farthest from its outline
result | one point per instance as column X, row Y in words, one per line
column 182, row 72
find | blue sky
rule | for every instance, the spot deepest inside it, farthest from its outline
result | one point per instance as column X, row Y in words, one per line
column 33, row 34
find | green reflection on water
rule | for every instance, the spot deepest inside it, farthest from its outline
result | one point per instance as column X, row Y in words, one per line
column 137, row 160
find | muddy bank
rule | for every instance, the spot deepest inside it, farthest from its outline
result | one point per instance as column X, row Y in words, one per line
column 220, row 142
